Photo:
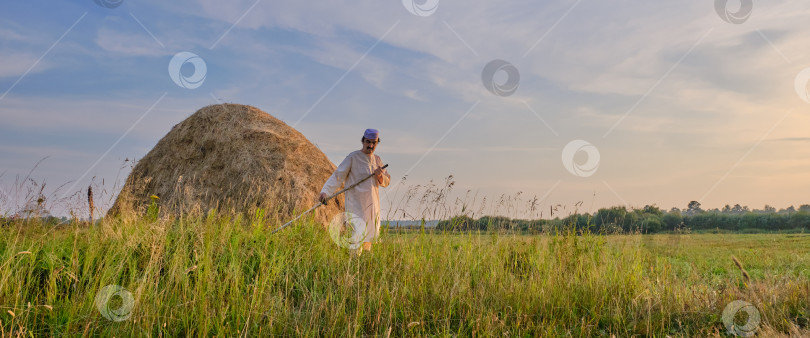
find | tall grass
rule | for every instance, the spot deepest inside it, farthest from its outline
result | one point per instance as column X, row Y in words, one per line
column 227, row 277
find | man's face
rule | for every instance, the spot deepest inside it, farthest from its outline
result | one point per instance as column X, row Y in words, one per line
column 370, row 145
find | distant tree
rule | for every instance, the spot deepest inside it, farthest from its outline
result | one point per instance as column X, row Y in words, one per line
column 494, row 223
column 738, row 209
column 652, row 209
column 693, row 207
column 671, row 220
column 460, row 223
column 650, row 219
column 652, row 223
column 615, row 216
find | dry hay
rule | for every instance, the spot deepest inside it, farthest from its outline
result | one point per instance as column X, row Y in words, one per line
column 232, row 158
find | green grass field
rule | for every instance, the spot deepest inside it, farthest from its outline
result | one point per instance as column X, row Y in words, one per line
column 227, row 278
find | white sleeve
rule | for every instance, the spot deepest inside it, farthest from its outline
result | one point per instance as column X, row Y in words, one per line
column 338, row 177
column 386, row 177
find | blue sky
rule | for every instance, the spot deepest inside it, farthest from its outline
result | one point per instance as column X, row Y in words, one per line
column 678, row 103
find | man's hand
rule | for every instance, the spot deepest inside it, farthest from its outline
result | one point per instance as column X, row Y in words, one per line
column 322, row 198
column 378, row 174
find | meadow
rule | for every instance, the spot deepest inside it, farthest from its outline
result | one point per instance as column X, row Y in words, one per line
column 229, row 277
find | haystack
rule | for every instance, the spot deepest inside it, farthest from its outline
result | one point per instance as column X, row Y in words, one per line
column 235, row 159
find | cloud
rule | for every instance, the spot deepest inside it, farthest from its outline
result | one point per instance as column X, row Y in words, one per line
column 517, row 149
column 15, row 64
column 9, row 35
column 790, row 139
column 42, row 151
column 21, row 49
column 96, row 116
column 129, row 43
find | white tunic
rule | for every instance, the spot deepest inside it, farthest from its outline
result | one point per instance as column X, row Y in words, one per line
column 364, row 199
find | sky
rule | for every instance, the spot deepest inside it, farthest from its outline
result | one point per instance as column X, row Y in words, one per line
column 578, row 103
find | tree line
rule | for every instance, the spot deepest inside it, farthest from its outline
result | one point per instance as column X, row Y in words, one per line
column 649, row 219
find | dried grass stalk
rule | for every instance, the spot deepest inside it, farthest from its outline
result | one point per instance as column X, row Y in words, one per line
column 90, row 201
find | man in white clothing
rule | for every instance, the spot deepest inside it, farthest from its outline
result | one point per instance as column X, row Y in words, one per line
column 362, row 201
